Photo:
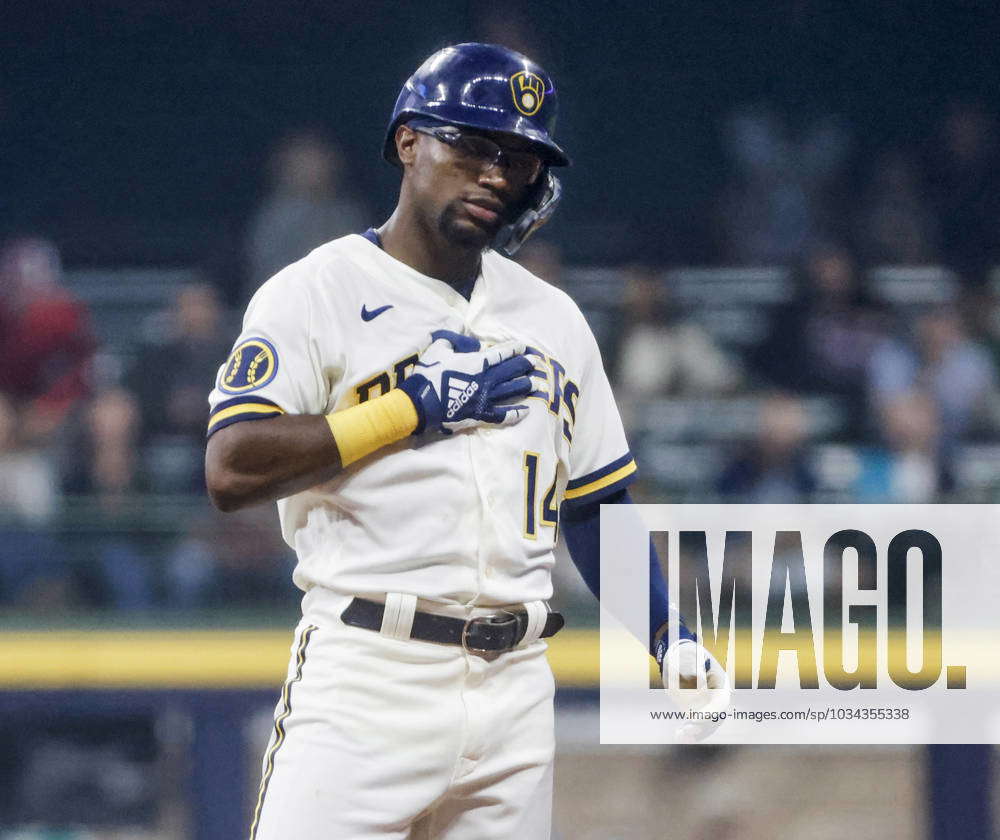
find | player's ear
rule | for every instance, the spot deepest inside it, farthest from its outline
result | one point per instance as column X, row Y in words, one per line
column 406, row 141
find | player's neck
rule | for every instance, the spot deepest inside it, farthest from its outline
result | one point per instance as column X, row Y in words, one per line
column 404, row 240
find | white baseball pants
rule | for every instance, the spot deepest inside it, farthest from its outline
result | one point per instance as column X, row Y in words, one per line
column 377, row 737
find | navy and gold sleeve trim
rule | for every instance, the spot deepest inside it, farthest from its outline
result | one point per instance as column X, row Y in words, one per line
column 600, row 483
column 241, row 408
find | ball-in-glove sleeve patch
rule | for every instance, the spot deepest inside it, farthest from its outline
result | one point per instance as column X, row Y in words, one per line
column 252, row 364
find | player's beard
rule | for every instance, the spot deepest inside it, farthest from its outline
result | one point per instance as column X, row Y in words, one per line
column 457, row 227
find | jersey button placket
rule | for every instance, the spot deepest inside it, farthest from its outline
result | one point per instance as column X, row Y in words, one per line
column 485, row 520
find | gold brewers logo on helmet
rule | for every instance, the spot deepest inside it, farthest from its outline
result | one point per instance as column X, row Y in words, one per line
column 528, row 91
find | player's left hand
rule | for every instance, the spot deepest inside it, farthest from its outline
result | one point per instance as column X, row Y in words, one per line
column 457, row 384
column 695, row 681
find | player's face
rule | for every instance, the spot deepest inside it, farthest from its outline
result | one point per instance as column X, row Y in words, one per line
column 468, row 185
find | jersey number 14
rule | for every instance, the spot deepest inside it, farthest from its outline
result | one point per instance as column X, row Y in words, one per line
column 548, row 514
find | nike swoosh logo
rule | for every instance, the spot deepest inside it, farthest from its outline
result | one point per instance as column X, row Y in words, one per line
column 367, row 315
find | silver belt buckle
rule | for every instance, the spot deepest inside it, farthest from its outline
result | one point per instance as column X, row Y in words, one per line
column 484, row 653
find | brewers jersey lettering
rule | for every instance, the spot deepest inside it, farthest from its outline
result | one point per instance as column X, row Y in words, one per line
column 469, row 518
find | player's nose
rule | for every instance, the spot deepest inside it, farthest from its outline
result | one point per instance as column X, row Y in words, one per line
column 495, row 179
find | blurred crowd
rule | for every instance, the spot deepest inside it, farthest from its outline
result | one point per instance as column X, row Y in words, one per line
column 842, row 345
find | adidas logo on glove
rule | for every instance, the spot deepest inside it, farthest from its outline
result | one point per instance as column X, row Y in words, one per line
column 456, row 401
column 456, row 384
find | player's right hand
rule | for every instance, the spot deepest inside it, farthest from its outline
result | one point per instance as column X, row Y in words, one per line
column 695, row 682
column 457, row 384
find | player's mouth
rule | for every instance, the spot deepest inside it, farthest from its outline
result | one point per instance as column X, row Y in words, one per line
column 487, row 211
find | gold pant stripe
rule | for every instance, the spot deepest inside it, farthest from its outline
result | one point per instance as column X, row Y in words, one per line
column 279, row 725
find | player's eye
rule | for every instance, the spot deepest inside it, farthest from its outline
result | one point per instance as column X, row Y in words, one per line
column 520, row 166
column 478, row 147
column 523, row 166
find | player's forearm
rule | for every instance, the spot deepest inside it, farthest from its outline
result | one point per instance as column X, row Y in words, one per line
column 263, row 460
column 582, row 531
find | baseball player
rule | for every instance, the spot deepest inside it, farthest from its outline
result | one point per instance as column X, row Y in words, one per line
column 424, row 411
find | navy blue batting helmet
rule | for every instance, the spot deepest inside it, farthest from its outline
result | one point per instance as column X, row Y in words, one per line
column 482, row 86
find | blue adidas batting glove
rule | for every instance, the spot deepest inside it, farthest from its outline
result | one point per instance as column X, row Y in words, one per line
column 457, row 384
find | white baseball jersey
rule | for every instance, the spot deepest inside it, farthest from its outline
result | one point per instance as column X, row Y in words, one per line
column 469, row 518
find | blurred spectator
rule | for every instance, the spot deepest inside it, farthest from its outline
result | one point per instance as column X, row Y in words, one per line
column 170, row 379
column 662, row 354
column 939, row 357
column 982, row 312
column 908, row 469
column 821, row 342
column 27, row 477
column 543, row 258
column 774, row 468
column 105, row 453
column 45, row 339
column 104, row 466
column 964, row 175
column 776, row 204
column 46, row 347
column 34, row 572
column 305, row 206
column 897, row 223
column 227, row 559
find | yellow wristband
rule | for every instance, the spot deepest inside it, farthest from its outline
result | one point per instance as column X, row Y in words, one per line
column 368, row 426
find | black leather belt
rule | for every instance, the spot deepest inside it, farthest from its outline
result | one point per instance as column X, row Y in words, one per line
column 496, row 633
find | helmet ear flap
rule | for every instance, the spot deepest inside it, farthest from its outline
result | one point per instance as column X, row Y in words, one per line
column 538, row 207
